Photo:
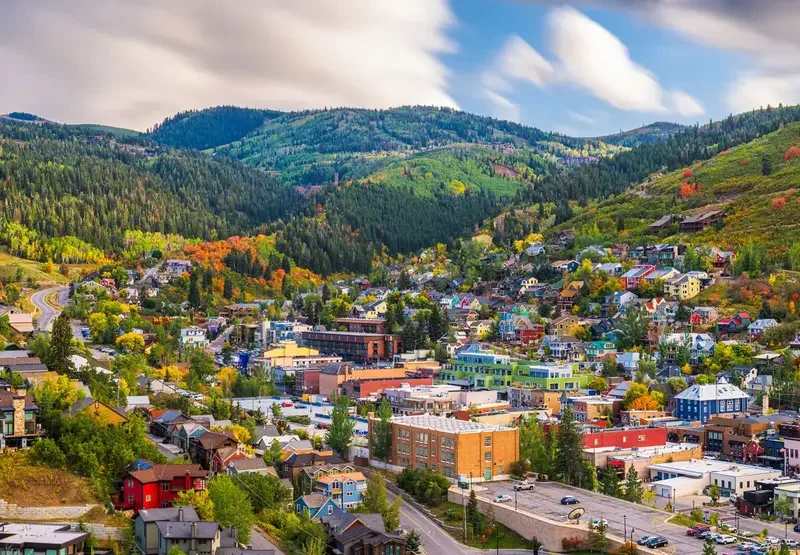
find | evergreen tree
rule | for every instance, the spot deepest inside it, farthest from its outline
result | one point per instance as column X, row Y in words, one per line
column 227, row 288
column 61, row 346
column 391, row 518
column 569, row 454
column 766, row 165
column 195, row 301
column 375, row 500
column 403, row 281
column 597, row 537
column 474, row 518
column 382, row 432
column 340, row 432
column 634, row 491
column 609, row 485
column 437, row 327
column 709, row 549
column 413, row 543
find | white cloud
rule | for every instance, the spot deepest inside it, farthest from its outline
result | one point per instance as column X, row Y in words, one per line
column 683, row 104
column 132, row 64
column 503, row 108
column 518, row 60
column 753, row 91
column 590, row 57
column 580, row 117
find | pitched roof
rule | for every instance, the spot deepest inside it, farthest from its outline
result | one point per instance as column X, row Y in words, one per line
column 356, row 476
column 212, row 440
column 166, row 472
column 308, row 459
column 7, row 398
column 186, row 530
column 314, row 500
column 711, row 392
column 170, row 513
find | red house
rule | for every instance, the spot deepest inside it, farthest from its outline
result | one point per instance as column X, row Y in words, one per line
column 626, row 438
column 154, row 486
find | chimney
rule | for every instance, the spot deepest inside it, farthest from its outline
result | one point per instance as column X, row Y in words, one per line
column 765, row 404
column 234, row 534
column 180, row 514
column 187, row 481
column 193, row 541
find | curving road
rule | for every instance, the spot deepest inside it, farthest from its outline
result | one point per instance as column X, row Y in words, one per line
column 47, row 312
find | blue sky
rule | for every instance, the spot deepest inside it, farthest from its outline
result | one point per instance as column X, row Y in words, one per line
column 675, row 61
column 582, row 67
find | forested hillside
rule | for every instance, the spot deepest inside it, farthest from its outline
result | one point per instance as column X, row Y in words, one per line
column 753, row 183
column 653, row 133
column 202, row 129
column 59, row 180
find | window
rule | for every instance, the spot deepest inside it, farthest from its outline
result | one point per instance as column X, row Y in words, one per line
column 487, row 441
column 130, row 498
column 147, row 497
column 164, row 486
column 330, row 509
column 487, row 456
column 554, row 386
column 641, row 438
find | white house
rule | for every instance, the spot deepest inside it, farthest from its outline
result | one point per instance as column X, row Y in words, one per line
column 757, row 328
column 194, row 337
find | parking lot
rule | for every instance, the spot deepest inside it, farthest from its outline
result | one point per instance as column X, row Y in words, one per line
column 622, row 517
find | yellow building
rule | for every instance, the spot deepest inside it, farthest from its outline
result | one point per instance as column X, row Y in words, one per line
column 98, row 410
column 453, row 447
column 291, row 355
column 682, row 287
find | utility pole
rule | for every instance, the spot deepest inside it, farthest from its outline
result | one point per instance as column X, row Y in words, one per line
column 624, row 528
column 464, row 512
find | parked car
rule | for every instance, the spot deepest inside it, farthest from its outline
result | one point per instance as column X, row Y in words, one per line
column 656, row 542
column 569, row 500
column 596, row 522
column 524, row 485
column 772, row 540
column 746, row 546
column 725, row 539
column 746, row 533
column 696, row 529
column 644, row 539
column 502, row 499
column 796, row 528
column 287, row 404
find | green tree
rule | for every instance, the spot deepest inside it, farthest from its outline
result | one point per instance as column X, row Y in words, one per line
column 61, row 346
column 677, row 384
column 766, row 165
column 714, row 493
column 784, row 550
column 569, row 453
column 709, row 549
column 391, row 517
column 274, row 454
column 340, row 432
column 227, row 288
column 264, row 491
column 375, row 500
column 632, row 328
column 474, row 517
column 403, row 282
column 413, row 543
column 609, row 485
column 175, row 550
column 382, row 432
column 195, row 300
column 597, row 538
column 634, row 491
column 782, row 506
column 232, row 506
column 277, row 411
column 313, row 546
column 201, row 368
column 199, row 500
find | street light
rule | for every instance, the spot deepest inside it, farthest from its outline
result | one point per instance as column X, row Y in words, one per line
column 515, row 499
column 624, row 528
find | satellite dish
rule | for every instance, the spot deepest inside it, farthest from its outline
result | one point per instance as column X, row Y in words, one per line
column 575, row 514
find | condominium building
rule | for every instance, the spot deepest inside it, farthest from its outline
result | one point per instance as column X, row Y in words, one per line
column 453, row 447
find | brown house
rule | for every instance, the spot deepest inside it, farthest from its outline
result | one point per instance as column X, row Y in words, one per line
column 361, row 534
column 699, row 222
column 295, row 463
column 18, row 412
column 203, row 448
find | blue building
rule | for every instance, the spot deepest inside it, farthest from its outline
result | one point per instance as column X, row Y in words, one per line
column 317, row 506
column 701, row 402
column 346, row 489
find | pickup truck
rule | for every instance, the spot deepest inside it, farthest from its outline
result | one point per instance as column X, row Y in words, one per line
column 521, row 486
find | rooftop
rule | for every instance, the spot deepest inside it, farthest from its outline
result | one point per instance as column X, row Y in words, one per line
column 441, row 424
column 711, row 392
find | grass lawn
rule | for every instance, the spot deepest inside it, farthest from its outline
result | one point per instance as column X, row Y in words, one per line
column 30, row 269
column 451, row 514
column 682, row 520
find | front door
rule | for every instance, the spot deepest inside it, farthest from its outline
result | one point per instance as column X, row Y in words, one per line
column 487, row 473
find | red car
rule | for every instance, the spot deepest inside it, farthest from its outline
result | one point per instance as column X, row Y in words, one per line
column 696, row 529
column 287, row 404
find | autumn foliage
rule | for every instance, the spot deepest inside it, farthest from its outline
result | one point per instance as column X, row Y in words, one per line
column 645, row 402
column 688, row 189
column 778, row 203
column 687, row 173
column 793, row 152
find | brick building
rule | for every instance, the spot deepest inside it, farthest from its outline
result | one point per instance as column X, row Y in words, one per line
column 356, row 346
column 453, row 447
column 362, row 389
column 334, row 375
column 363, row 325
column 626, row 438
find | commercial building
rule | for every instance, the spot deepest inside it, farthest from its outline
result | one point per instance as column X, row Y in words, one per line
column 289, row 355
column 676, row 479
column 408, row 399
column 360, row 347
column 363, row 325
column 371, row 389
column 332, row 376
column 41, row 539
column 701, row 402
column 622, row 438
column 587, row 409
column 453, row 447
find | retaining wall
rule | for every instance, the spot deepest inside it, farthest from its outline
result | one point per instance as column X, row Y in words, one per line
column 11, row 511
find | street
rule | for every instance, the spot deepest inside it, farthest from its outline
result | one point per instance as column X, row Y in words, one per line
column 622, row 516
column 258, row 540
column 47, row 312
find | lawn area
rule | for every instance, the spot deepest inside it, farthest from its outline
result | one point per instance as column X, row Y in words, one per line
column 451, row 514
column 40, row 486
column 30, row 269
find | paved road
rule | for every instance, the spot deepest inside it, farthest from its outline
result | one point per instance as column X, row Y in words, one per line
column 47, row 312
column 258, row 540
column 545, row 500
column 216, row 344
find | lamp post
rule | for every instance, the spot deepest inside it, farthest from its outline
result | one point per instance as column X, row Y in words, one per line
column 497, row 537
column 624, row 528
column 515, row 499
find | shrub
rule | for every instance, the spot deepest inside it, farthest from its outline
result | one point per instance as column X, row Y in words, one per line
column 792, row 152
column 744, row 162
column 687, row 173
column 425, row 485
column 688, row 189
column 778, row 203
column 571, row 544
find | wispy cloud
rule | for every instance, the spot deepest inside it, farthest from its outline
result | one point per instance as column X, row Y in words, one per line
column 582, row 118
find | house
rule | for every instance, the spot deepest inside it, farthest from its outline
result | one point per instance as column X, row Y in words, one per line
column 562, row 347
column 98, row 410
column 346, row 490
column 699, row 222
column 597, row 350
column 204, row 447
column 33, row 538
column 682, row 287
column 197, row 538
column 569, row 295
column 19, row 413
column 292, row 466
column 618, row 302
column 527, row 284
column 176, row 268
column 309, row 475
column 757, row 328
column 153, row 486
column 563, row 325
column 535, row 249
column 145, row 529
column 193, row 337
column 737, row 324
column 565, row 265
column 317, row 506
column 613, row 269
column 700, row 345
column 224, row 456
column 662, row 274
column 700, row 402
column 375, row 309
column 634, row 276
column 359, row 534
column 20, row 322
column 663, row 223
column 703, row 315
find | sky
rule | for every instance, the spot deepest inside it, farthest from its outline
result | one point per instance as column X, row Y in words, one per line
column 585, row 68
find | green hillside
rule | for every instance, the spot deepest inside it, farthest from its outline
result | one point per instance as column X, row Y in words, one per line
column 202, row 129
column 760, row 208
column 653, row 133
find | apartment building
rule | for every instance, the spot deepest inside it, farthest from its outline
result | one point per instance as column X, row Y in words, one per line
column 453, row 447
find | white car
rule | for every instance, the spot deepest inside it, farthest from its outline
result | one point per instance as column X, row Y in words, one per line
column 772, row 540
column 519, row 486
column 725, row 539
column 596, row 522
column 746, row 533
column 502, row 499
column 794, row 544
